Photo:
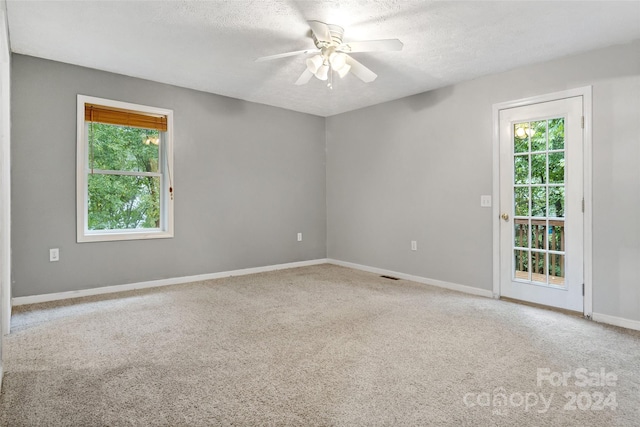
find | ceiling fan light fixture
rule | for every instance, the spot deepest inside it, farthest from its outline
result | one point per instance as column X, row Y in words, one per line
column 344, row 70
column 314, row 63
column 338, row 60
column 332, row 54
column 323, row 72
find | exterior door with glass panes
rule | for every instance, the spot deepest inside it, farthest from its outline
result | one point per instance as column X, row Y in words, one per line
column 541, row 203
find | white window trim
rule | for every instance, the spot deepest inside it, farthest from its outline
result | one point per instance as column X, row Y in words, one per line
column 82, row 170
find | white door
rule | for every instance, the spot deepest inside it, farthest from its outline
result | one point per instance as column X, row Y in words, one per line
column 541, row 203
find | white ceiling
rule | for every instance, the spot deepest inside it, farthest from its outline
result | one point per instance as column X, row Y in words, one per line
column 211, row 45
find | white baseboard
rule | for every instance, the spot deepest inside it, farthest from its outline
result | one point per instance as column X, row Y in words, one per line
column 426, row 281
column 34, row 299
column 616, row 321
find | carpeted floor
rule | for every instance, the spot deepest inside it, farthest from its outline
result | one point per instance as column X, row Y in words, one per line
column 314, row 346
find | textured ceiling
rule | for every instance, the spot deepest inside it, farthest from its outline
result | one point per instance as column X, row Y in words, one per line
column 211, row 45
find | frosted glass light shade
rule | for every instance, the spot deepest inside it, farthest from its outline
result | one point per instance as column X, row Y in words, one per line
column 323, row 72
column 314, row 63
column 344, row 70
column 338, row 60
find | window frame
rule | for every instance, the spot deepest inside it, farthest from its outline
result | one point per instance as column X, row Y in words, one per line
column 83, row 169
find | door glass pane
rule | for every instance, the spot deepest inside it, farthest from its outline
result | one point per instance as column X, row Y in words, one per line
column 538, row 168
column 538, row 234
column 539, row 267
column 539, row 201
column 521, row 198
column 556, row 134
column 556, row 269
column 539, row 136
column 521, row 233
column 556, row 235
column 521, row 263
column 556, row 202
column 521, row 170
column 556, row 168
column 521, row 133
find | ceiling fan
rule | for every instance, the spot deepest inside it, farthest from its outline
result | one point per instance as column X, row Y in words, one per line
column 331, row 54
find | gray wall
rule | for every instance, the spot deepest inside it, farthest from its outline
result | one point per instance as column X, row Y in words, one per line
column 414, row 169
column 247, row 178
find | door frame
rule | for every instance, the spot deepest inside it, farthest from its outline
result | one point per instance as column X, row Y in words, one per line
column 586, row 93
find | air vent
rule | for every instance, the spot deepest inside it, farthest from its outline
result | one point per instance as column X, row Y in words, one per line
column 389, row 277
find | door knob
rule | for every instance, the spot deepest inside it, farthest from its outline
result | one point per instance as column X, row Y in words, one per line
column 505, row 216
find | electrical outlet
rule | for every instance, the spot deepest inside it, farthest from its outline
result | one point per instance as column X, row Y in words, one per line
column 299, row 237
column 54, row 255
column 414, row 245
column 485, row 201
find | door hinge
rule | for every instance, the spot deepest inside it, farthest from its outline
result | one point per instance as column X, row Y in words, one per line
column 582, row 205
column 583, row 289
column 582, row 122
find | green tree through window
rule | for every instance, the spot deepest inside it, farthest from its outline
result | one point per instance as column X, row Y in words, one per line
column 118, row 201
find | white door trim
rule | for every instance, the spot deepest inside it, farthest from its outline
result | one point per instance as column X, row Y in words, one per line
column 585, row 93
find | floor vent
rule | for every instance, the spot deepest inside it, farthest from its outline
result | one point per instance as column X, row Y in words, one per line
column 389, row 277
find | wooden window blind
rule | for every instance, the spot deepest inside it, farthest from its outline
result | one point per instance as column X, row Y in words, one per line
column 115, row 116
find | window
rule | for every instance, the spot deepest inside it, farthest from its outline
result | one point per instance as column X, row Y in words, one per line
column 124, row 171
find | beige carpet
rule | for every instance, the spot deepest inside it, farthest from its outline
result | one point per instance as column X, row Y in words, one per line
column 313, row 346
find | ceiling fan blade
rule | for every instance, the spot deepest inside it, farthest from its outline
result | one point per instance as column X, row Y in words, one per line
column 372, row 46
column 360, row 71
column 304, row 77
column 320, row 31
column 284, row 55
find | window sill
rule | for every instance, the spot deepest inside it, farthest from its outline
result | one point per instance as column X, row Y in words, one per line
column 120, row 235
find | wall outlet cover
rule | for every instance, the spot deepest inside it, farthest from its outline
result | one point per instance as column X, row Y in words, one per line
column 485, row 201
